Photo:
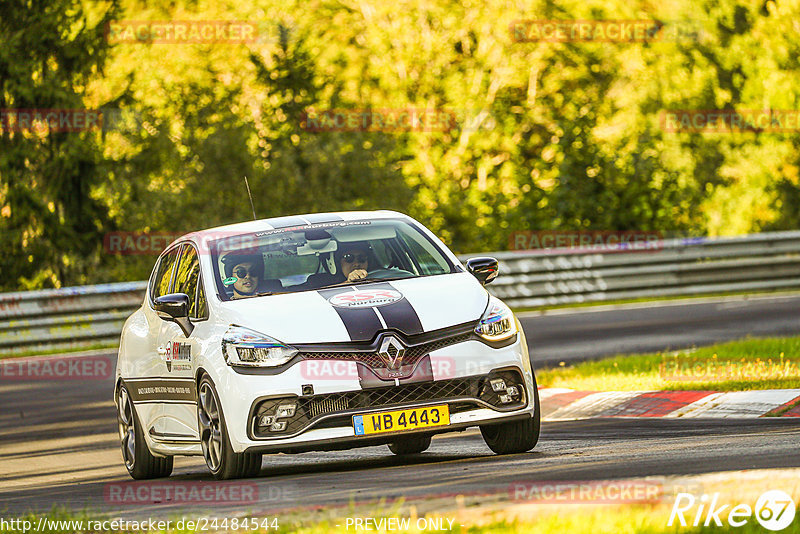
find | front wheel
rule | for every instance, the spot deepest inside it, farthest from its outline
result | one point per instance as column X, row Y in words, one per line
column 515, row 436
column 139, row 462
column 410, row 445
column 220, row 457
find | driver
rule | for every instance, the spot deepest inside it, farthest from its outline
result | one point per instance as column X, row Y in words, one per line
column 247, row 269
column 353, row 261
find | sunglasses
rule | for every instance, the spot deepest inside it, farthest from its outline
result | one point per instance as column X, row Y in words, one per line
column 242, row 273
column 350, row 258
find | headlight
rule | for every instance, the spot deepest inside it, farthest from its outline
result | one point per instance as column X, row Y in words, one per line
column 243, row 347
column 497, row 322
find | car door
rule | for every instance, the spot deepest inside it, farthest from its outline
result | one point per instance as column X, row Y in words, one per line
column 145, row 380
column 178, row 351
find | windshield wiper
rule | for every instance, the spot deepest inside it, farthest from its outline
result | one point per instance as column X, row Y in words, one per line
column 268, row 293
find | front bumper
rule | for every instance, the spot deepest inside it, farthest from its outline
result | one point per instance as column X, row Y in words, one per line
column 323, row 419
column 342, row 438
column 337, row 409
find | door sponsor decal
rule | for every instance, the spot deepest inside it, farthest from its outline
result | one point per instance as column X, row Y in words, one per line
column 178, row 356
column 161, row 389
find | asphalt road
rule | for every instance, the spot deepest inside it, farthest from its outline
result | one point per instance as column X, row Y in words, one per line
column 581, row 334
column 58, row 441
column 63, row 450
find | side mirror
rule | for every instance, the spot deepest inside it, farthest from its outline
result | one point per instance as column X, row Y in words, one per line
column 175, row 308
column 485, row 269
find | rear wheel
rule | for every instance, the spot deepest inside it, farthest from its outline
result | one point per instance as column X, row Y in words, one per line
column 139, row 462
column 410, row 445
column 220, row 458
column 515, row 436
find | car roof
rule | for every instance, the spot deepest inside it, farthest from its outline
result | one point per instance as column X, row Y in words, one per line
column 276, row 223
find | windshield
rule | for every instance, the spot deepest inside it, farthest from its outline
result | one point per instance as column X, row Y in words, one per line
column 318, row 256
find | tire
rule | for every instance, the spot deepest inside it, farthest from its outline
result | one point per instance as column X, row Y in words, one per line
column 410, row 445
column 139, row 462
column 516, row 436
column 222, row 461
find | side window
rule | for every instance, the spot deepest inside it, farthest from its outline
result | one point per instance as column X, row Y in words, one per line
column 163, row 275
column 187, row 275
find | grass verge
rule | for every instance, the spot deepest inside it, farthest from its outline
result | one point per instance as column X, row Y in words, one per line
column 615, row 302
column 770, row 363
column 598, row 507
column 541, row 519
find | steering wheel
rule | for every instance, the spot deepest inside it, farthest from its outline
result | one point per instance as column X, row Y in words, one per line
column 380, row 274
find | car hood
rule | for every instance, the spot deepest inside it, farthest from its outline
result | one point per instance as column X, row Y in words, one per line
column 357, row 313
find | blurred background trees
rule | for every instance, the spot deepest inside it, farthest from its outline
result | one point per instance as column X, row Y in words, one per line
column 551, row 135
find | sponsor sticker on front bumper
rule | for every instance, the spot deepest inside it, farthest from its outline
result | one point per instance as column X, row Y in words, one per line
column 400, row 420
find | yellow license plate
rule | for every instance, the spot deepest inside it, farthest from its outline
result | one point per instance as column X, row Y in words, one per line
column 397, row 421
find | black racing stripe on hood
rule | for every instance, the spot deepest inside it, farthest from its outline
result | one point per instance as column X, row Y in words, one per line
column 318, row 218
column 399, row 315
column 361, row 323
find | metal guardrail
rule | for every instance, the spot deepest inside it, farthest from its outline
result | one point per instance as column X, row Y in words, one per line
column 53, row 319
column 81, row 316
column 677, row 267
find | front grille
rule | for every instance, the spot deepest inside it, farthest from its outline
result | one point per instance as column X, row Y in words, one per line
column 311, row 409
column 412, row 355
column 327, row 405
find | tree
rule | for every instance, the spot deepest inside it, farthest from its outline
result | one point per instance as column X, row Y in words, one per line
column 51, row 225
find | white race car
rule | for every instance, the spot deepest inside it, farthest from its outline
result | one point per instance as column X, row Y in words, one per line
column 317, row 332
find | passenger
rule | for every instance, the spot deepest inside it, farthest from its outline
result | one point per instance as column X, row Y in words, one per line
column 248, row 269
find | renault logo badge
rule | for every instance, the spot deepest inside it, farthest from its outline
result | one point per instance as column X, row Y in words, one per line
column 392, row 352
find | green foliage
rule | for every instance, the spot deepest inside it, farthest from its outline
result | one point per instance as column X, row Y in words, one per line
column 550, row 135
column 50, row 220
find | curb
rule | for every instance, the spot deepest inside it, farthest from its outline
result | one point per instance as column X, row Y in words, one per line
column 566, row 404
